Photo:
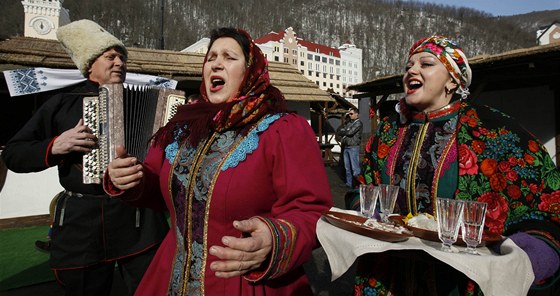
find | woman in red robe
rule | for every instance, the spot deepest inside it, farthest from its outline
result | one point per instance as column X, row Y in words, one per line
column 242, row 179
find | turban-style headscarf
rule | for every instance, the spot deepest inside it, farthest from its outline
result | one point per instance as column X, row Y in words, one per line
column 452, row 57
column 255, row 99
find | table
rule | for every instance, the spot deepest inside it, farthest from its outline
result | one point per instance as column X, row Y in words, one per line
column 507, row 274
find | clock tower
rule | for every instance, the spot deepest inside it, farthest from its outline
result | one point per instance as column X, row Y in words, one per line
column 43, row 17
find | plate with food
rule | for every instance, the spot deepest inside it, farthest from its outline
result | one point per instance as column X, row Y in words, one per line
column 424, row 226
column 368, row 227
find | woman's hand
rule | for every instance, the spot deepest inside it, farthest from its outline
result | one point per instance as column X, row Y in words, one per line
column 79, row 139
column 241, row 255
column 124, row 171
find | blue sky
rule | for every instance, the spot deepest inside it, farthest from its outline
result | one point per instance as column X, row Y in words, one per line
column 503, row 7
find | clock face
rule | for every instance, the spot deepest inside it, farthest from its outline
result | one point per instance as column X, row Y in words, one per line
column 290, row 40
column 42, row 25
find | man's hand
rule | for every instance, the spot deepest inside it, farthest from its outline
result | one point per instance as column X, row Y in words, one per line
column 77, row 139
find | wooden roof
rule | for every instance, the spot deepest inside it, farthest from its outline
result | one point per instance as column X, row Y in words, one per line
column 22, row 52
column 527, row 67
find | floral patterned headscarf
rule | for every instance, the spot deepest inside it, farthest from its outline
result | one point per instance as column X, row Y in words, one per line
column 452, row 57
column 255, row 99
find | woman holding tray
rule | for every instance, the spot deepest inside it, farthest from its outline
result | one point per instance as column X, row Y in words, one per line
column 441, row 145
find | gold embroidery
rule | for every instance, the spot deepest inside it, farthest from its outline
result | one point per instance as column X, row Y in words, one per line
column 411, row 180
column 439, row 168
column 190, row 193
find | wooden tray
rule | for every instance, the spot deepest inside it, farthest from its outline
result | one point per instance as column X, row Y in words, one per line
column 354, row 224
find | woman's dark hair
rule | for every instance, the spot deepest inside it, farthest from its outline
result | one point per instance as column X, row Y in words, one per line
column 236, row 35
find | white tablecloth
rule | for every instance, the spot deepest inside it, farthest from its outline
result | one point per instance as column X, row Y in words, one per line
column 507, row 274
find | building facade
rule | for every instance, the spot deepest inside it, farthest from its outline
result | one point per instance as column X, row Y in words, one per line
column 332, row 69
column 43, row 18
column 549, row 34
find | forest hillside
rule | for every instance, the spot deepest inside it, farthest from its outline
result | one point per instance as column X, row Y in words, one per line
column 384, row 29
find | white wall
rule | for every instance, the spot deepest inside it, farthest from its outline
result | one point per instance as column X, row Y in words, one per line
column 28, row 194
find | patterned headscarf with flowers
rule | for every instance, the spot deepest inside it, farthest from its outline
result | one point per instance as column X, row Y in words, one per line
column 255, row 99
column 452, row 57
column 252, row 100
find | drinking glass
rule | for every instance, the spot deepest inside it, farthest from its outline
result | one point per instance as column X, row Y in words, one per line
column 474, row 214
column 449, row 216
column 368, row 199
column 387, row 198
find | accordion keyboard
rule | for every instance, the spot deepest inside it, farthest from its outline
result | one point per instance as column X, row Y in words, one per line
column 125, row 115
column 93, row 162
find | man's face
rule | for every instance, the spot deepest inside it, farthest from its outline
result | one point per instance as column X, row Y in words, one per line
column 109, row 67
column 353, row 114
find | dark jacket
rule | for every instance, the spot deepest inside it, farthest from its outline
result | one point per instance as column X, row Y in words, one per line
column 352, row 133
column 94, row 227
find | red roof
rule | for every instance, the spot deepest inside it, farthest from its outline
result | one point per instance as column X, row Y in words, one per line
column 272, row 36
column 311, row 47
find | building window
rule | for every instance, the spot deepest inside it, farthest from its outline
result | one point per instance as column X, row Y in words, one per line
column 316, row 50
column 337, row 62
column 324, row 68
column 309, row 73
column 324, row 84
column 331, row 61
column 324, row 60
column 294, row 52
column 309, row 66
column 317, row 82
column 317, row 67
column 302, row 72
column 332, row 70
column 286, row 50
column 324, row 75
column 343, row 64
column 309, row 56
column 317, row 58
column 276, row 59
column 331, row 85
column 332, row 76
column 316, row 74
column 276, row 49
column 302, row 63
column 337, row 85
column 285, row 60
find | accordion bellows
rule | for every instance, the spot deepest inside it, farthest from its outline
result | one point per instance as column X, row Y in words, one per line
column 128, row 115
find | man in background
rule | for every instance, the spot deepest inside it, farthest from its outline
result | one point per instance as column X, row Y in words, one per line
column 351, row 135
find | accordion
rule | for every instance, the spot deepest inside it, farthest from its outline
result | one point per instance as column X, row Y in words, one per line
column 128, row 115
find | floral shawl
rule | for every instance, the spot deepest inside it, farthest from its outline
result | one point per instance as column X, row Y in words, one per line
column 498, row 162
